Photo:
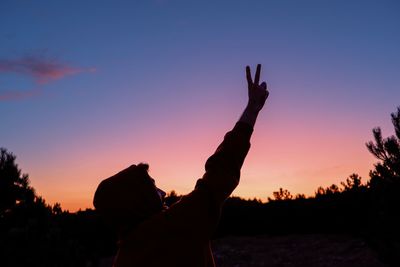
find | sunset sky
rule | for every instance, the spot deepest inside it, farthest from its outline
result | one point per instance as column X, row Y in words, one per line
column 88, row 88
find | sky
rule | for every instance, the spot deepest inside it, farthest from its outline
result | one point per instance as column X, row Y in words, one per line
column 88, row 88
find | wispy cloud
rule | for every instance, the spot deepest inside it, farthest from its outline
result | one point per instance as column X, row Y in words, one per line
column 18, row 95
column 42, row 69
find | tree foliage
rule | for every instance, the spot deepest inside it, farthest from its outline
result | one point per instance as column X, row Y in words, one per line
column 385, row 178
column 14, row 186
column 385, row 191
column 353, row 182
column 387, row 150
column 282, row 194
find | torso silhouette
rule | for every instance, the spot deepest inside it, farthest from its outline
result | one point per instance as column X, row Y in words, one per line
column 180, row 235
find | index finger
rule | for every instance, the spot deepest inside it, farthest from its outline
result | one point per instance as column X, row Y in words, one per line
column 248, row 76
column 257, row 77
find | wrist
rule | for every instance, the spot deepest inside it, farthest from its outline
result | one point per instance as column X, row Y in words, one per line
column 252, row 109
column 249, row 115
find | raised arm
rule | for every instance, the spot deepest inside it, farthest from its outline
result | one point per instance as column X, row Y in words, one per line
column 223, row 167
column 200, row 209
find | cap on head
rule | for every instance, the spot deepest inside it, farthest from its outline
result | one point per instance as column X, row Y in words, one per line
column 127, row 197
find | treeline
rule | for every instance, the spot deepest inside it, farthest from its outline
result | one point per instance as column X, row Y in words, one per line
column 33, row 233
column 342, row 210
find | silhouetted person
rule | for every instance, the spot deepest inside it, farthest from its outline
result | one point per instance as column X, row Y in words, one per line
column 151, row 235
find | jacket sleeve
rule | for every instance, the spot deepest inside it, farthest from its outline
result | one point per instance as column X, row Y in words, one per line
column 198, row 212
column 223, row 167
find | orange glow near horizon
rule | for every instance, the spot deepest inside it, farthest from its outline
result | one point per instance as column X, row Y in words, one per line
column 276, row 159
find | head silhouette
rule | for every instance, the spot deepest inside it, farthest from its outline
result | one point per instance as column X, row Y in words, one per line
column 128, row 197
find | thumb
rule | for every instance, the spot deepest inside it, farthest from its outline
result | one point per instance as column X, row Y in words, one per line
column 263, row 85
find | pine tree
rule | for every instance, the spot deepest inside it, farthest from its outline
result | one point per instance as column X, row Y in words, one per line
column 385, row 192
column 14, row 186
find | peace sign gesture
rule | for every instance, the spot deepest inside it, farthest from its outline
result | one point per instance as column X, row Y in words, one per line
column 258, row 93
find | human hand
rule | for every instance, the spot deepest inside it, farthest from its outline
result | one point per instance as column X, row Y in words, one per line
column 258, row 93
